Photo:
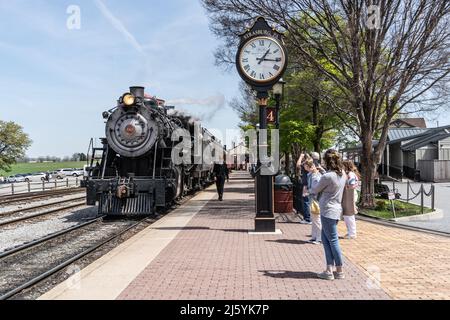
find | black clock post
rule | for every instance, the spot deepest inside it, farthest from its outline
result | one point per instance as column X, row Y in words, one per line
column 262, row 77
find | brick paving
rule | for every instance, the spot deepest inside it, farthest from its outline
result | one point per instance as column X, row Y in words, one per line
column 407, row 264
column 214, row 257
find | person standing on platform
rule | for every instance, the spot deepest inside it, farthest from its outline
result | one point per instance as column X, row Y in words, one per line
column 305, row 196
column 314, row 178
column 349, row 208
column 330, row 189
column 221, row 173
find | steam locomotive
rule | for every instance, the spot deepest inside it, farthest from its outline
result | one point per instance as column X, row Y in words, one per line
column 151, row 156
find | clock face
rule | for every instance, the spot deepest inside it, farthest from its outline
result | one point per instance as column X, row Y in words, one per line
column 262, row 59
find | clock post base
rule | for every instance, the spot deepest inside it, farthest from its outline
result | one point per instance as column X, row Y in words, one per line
column 265, row 224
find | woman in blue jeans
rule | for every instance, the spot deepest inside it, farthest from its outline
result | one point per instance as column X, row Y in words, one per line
column 330, row 189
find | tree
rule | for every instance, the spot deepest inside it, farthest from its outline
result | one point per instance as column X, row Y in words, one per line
column 13, row 144
column 384, row 56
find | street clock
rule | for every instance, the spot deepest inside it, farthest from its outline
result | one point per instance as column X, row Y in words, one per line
column 261, row 58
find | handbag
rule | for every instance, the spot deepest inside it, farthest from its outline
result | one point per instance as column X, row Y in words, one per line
column 315, row 209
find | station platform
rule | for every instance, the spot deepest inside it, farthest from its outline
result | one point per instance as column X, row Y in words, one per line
column 203, row 250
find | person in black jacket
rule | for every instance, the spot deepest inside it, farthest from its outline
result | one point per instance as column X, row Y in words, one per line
column 221, row 173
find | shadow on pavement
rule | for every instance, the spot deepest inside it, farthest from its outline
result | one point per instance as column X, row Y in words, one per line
column 290, row 241
column 290, row 274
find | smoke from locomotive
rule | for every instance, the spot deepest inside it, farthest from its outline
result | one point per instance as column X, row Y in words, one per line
column 149, row 158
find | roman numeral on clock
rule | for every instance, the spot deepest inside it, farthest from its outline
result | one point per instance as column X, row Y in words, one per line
column 245, row 60
column 253, row 74
column 276, row 67
column 261, row 42
column 261, row 76
column 247, row 67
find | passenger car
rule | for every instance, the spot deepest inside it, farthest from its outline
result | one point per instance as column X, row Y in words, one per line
column 71, row 172
column 39, row 176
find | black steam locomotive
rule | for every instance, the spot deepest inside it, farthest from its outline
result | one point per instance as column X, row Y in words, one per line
column 151, row 156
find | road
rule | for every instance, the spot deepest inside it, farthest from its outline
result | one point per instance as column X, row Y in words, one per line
column 442, row 197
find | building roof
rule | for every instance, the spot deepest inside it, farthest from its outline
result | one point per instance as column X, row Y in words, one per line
column 409, row 122
column 434, row 136
column 400, row 134
column 413, row 138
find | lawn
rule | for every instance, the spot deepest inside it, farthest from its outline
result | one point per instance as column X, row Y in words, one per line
column 383, row 209
column 41, row 167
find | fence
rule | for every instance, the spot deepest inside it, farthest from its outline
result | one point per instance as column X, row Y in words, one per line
column 27, row 187
column 434, row 170
column 421, row 192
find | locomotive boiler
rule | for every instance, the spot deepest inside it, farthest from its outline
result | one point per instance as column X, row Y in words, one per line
column 151, row 156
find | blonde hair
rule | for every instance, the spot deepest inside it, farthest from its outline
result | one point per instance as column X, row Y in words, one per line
column 309, row 163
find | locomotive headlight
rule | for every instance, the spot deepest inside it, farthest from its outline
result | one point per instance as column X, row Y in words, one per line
column 128, row 99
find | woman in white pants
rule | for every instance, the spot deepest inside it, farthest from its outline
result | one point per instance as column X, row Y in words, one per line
column 349, row 208
column 313, row 179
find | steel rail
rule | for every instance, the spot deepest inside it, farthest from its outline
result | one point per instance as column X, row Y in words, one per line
column 8, row 222
column 46, row 238
column 8, row 213
column 66, row 263
column 37, row 195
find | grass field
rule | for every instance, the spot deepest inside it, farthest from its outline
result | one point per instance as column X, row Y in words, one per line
column 41, row 167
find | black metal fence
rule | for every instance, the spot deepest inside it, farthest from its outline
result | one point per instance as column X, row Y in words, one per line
column 411, row 194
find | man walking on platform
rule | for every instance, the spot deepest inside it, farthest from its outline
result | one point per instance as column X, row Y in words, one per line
column 221, row 173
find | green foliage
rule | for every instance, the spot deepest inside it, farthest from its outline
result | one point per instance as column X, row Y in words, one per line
column 296, row 132
column 13, row 144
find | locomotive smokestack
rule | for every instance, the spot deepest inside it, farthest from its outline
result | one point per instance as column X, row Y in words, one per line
column 137, row 91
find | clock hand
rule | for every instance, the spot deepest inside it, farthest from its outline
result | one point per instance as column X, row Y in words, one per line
column 277, row 59
column 265, row 54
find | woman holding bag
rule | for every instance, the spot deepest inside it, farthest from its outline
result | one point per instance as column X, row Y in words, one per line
column 313, row 178
column 349, row 208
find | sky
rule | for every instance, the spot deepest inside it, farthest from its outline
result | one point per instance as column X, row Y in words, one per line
column 58, row 76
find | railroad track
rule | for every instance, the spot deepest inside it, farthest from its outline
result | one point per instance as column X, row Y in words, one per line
column 20, row 212
column 39, row 260
column 30, row 257
column 37, row 195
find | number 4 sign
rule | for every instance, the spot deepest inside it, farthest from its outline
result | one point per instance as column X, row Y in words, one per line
column 271, row 115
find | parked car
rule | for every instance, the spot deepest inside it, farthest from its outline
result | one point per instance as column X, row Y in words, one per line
column 39, row 176
column 2, row 179
column 72, row 172
column 15, row 178
column 58, row 174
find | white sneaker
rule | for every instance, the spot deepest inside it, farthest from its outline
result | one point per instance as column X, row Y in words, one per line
column 326, row 275
column 339, row 275
column 349, row 237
